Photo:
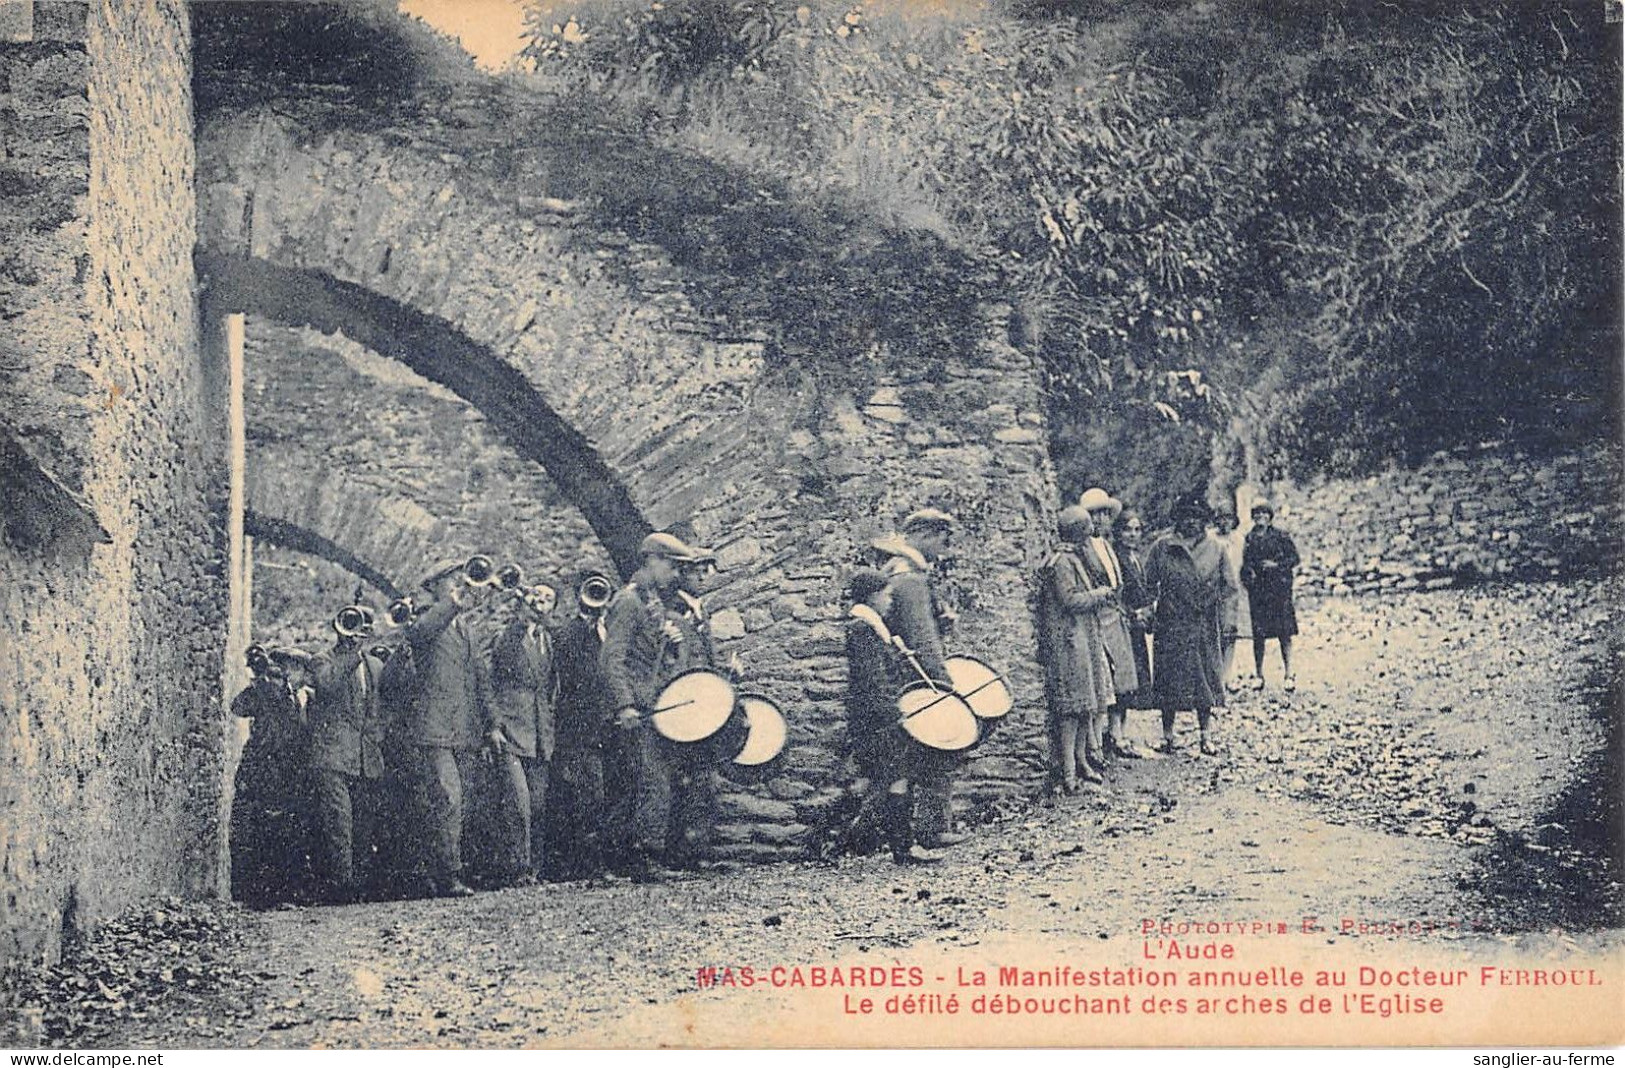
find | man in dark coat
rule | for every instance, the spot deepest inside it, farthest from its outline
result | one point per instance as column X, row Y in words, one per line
column 918, row 618
column 447, row 718
column 662, row 803
column 877, row 743
column 1267, row 563
column 524, row 688
column 346, row 737
column 272, row 804
column 583, row 716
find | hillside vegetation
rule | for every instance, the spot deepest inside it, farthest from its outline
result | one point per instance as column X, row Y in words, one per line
column 1245, row 237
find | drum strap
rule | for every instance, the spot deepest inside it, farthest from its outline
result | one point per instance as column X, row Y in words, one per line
column 876, row 624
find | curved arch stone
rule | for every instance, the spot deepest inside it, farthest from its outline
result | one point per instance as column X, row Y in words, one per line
column 441, row 353
column 293, row 536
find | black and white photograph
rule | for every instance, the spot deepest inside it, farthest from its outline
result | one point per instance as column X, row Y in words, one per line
column 811, row 523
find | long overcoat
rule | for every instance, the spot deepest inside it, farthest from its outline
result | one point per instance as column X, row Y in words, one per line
column 1189, row 586
column 1077, row 676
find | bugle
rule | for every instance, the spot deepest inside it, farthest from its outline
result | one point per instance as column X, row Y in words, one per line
column 353, row 621
column 595, row 591
column 401, row 612
column 479, row 571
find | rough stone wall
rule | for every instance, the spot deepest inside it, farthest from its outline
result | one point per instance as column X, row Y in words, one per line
column 787, row 466
column 111, row 733
column 1484, row 512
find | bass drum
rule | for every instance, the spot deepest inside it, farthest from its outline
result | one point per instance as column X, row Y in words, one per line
column 980, row 687
column 692, row 707
column 766, row 737
column 937, row 721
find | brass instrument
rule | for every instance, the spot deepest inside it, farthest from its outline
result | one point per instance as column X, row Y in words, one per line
column 595, row 591
column 400, row 612
column 479, row 571
column 353, row 621
column 510, row 577
column 259, row 661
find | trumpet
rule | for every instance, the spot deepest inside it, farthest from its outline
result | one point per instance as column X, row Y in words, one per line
column 353, row 621
column 401, row 612
column 510, row 578
column 479, row 570
column 595, row 591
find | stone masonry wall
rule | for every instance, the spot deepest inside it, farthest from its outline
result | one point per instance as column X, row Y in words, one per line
column 1474, row 513
column 111, row 733
column 786, row 466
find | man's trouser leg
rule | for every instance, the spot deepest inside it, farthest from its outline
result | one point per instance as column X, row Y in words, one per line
column 444, row 771
column 537, row 773
column 516, row 817
column 933, row 793
column 693, row 805
column 335, row 850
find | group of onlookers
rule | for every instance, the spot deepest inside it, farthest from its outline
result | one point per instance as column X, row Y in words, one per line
column 1123, row 625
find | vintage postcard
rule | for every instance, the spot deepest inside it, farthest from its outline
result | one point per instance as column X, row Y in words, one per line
column 757, row 523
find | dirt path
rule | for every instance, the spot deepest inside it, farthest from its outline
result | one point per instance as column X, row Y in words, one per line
column 1416, row 773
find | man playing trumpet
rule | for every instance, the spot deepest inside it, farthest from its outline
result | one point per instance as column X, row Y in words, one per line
column 447, row 715
column 524, row 689
column 346, row 755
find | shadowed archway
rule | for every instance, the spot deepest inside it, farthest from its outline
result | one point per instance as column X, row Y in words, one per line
column 443, row 354
column 293, row 536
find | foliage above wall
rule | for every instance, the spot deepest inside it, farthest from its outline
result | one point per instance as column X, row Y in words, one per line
column 1377, row 228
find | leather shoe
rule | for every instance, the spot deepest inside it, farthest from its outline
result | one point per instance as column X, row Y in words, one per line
column 1089, row 775
column 1127, row 751
column 916, row 855
column 452, row 887
column 944, row 840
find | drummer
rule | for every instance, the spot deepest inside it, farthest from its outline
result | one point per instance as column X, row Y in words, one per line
column 661, row 808
column 873, row 680
column 919, row 619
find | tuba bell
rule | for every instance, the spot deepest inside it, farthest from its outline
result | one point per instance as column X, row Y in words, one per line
column 595, row 591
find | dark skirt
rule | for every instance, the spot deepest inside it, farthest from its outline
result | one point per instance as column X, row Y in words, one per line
column 1273, row 615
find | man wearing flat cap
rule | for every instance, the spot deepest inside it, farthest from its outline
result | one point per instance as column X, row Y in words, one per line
column 655, row 631
column 919, row 619
column 447, row 716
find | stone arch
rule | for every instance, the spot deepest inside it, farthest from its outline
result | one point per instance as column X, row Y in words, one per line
column 440, row 352
column 293, row 536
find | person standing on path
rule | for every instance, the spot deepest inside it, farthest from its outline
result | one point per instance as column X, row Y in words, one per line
column 1077, row 677
column 447, row 717
column 1106, row 571
column 1267, row 567
column 918, row 617
column 1188, row 580
column 524, row 690
column 347, row 766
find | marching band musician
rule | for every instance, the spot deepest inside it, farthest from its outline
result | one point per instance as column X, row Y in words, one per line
column 347, row 765
column 919, row 619
column 524, row 687
column 652, row 635
column 271, row 801
column 871, row 715
column 447, row 718
column 583, row 717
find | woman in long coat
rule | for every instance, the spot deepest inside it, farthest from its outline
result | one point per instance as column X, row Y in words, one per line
column 1189, row 582
column 1077, row 678
column 1137, row 600
column 1266, row 570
